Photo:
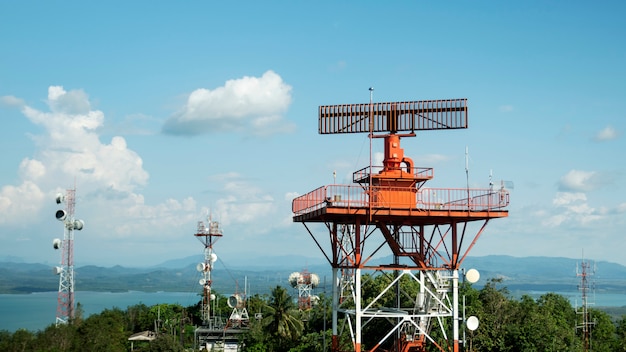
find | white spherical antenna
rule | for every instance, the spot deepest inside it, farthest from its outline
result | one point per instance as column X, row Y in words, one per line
column 472, row 276
column 78, row 225
column 200, row 267
column 315, row 280
column 56, row 243
column 202, row 282
column 315, row 299
column 213, row 257
column 472, row 323
column 294, row 278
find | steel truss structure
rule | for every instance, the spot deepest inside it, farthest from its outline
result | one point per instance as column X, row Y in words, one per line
column 428, row 231
column 65, row 296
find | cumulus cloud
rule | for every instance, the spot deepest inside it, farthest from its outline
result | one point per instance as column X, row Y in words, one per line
column 253, row 105
column 19, row 203
column 581, row 181
column 606, row 134
column 108, row 175
column 9, row 100
column 573, row 208
column 243, row 202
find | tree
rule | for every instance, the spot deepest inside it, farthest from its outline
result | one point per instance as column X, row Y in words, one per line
column 104, row 332
column 281, row 322
column 603, row 333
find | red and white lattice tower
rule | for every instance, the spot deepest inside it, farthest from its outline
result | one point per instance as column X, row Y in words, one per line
column 65, row 298
column 208, row 234
column 584, row 287
column 304, row 282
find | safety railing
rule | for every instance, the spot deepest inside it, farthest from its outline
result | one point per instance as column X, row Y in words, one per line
column 351, row 196
column 423, row 173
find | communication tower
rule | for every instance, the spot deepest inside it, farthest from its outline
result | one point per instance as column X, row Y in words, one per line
column 65, row 297
column 584, row 287
column 305, row 282
column 208, row 234
column 429, row 231
column 215, row 334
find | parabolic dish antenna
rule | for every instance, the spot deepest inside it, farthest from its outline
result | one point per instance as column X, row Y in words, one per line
column 200, row 267
column 472, row 323
column 202, row 282
column 472, row 276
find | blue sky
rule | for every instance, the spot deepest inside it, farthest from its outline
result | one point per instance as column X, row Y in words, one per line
column 160, row 112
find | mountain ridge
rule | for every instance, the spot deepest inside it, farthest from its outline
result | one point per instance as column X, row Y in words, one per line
column 261, row 273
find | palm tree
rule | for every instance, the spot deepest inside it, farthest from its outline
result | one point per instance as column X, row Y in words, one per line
column 280, row 321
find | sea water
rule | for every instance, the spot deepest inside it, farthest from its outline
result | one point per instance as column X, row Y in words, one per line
column 36, row 311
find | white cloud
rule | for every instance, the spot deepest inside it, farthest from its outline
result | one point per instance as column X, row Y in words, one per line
column 580, row 181
column 9, row 100
column 244, row 203
column 107, row 175
column 19, row 203
column 254, row 105
column 572, row 208
column 32, row 169
column 566, row 198
column 606, row 134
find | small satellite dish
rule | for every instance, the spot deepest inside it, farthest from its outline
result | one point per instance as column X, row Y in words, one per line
column 213, row 257
column 202, row 282
column 79, row 224
column 212, row 296
column 56, row 243
column 472, row 275
column 472, row 323
column 200, row 267
column 60, row 215
column 60, row 198
column 57, row 270
column 235, row 301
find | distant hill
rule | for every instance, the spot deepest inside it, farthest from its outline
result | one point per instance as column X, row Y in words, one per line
column 260, row 274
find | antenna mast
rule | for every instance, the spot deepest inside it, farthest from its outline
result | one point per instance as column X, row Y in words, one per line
column 207, row 234
column 65, row 297
column 584, row 288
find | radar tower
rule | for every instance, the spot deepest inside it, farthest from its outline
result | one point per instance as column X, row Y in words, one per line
column 427, row 230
